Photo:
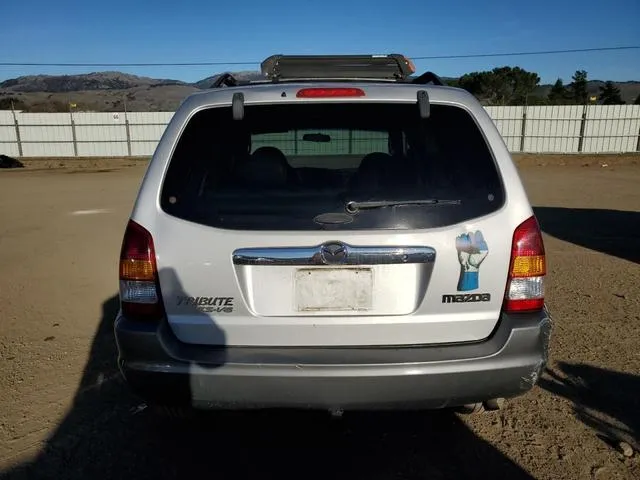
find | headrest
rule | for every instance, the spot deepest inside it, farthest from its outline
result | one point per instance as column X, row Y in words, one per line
column 375, row 160
column 371, row 172
column 266, row 168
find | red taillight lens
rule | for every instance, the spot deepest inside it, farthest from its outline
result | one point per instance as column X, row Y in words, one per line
column 139, row 290
column 527, row 239
column 525, row 291
column 329, row 92
column 137, row 257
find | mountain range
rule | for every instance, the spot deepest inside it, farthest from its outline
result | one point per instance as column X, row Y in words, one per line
column 115, row 91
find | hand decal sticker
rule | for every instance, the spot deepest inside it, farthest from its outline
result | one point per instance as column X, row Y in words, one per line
column 472, row 250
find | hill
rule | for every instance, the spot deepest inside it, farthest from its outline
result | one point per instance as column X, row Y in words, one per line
column 246, row 75
column 112, row 91
column 84, row 82
column 99, row 91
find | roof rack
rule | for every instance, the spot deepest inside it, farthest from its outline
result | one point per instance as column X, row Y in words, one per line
column 286, row 68
column 380, row 67
column 225, row 80
column 426, row 78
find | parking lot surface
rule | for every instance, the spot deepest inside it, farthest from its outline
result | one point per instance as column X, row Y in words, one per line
column 65, row 413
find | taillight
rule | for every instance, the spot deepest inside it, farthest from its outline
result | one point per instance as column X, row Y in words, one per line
column 139, row 290
column 525, row 290
column 329, row 92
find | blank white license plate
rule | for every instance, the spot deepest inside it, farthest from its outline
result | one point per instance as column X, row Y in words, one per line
column 344, row 289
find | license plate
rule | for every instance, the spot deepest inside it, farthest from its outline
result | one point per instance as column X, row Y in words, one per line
column 344, row 289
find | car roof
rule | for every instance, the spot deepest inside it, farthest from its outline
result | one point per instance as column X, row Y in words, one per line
column 285, row 92
column 383, row 78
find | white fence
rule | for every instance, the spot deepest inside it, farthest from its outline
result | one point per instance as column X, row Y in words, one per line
column 81, row 134
column 537, row 129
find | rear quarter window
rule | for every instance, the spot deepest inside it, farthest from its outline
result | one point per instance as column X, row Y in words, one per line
column 293, row 166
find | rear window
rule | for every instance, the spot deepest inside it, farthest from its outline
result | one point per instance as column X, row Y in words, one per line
column 297, row 166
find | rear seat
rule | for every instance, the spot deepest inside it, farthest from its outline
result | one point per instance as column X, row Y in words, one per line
column 266, row 168
column 381, row 170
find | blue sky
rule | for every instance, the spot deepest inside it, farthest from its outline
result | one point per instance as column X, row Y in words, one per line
column 163, row 31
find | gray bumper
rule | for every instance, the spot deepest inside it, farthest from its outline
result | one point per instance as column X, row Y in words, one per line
column 162, row 369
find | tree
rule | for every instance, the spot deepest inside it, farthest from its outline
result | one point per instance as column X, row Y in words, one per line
column 558, row 93
column 537, row 100
column 476, row 83
column 610, row 94
column 452, row 82
column 637, row 102
column 501, row 86
column 523, row 83
column 578, row 88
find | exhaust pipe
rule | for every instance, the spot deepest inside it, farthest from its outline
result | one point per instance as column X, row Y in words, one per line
column 490, row 405
column 494, row 404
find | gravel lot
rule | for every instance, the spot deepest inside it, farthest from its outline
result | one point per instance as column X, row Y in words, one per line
column 64, row 412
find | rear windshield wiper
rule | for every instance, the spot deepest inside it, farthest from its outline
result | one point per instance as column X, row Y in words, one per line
column 353, row 206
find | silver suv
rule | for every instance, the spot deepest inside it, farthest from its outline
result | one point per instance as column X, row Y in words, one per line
column 339, row 235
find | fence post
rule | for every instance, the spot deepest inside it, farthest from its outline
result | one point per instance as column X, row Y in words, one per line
column 17, row 126
column 126, row 126
column 638, row 144
column 524, row 127
column 583, row 124
column 73, row 134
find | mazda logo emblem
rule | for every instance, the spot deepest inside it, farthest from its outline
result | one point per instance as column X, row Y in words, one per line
column 333, row 253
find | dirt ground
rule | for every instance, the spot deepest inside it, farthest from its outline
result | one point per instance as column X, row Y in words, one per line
column 65, row 413
column 521, row 159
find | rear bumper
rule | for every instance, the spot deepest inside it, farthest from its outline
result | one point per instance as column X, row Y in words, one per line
column 162, row 369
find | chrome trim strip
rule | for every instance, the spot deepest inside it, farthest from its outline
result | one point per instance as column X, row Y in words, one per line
column 333, row 253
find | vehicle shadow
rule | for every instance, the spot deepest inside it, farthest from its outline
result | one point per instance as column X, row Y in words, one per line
column 614, row 232
column 605, row 400
column 109, row 434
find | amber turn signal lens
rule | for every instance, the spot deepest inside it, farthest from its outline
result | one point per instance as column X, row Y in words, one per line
column 532, row 266
column 136, row 270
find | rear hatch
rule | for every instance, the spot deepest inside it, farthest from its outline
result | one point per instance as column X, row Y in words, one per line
column 332, row 223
